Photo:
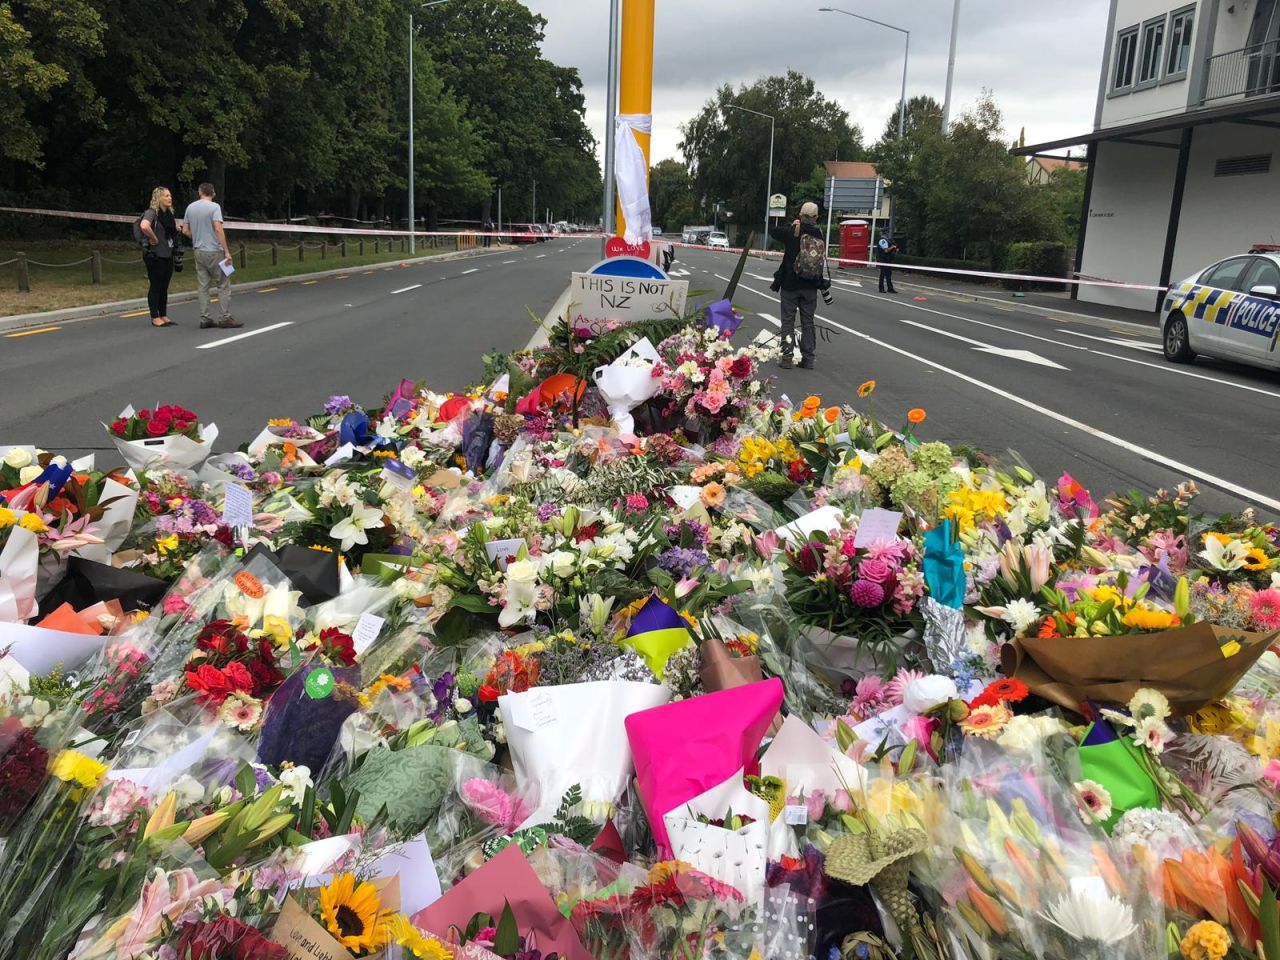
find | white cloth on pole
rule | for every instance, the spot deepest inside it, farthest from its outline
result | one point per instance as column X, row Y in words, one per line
column 632, row 175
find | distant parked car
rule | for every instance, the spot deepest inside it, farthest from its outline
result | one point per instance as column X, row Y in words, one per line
column 524, row 233
column 657, row 231
column 1229, row 310
column 543, row 233
column 718, row 241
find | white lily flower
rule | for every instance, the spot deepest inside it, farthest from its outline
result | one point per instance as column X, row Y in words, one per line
column 351, row 530
column 1231, row 555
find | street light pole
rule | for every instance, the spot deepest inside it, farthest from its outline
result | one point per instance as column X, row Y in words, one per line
column 906, row 54
column 768, row 190
column 610, row 122
column 951, row 66
column 413, row 219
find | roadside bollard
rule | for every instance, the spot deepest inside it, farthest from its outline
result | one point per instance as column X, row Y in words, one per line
column 244, row 255
column 95, row 265
column 342, row 249
column 302, row 251
column 24, row 277
column 324, row 249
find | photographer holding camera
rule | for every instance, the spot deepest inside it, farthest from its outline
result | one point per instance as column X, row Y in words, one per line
column 800, row 278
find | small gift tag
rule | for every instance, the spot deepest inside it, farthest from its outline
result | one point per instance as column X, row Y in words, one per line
column 795, row 815
column 533, row 710
column 367, row 629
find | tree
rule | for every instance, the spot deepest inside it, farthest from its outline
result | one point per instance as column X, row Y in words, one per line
column 727, row 151
column 671, row 197
column 44, row 48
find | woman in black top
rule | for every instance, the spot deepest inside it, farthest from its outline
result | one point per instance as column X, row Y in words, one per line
column 161, row 230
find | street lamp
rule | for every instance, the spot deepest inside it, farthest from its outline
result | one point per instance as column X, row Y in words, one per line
column 768, row 190
column 413, row 220
column 951, row 67
column 906, row 53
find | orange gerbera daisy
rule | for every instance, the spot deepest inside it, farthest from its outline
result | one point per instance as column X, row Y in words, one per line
column 986, row 721
column 831, row 414
column 867, row 389
column 916, row 415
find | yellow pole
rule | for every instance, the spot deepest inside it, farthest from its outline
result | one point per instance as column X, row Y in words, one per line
column 635, row 82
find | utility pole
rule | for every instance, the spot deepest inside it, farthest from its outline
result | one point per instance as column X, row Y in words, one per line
column 610, row 122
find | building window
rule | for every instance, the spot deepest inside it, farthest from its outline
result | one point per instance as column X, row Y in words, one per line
column 1152, row 47
column 1126, row 55
column 1179, row 55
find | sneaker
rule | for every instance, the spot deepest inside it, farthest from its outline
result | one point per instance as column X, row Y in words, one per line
column 207, row 324
column 806, row 364
column 230, row 324
column 785, row 363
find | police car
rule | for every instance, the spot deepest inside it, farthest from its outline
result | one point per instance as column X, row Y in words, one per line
column 1230, row 310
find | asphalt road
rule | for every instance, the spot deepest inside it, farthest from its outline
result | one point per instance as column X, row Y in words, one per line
column 356, row 333
column 1090, row 396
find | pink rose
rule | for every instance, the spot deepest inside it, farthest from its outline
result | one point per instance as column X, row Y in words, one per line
column 875, row 569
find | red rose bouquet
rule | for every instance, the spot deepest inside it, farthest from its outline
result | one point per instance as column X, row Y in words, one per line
column 169, row 420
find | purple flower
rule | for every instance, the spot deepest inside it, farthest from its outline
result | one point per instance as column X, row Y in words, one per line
column 866, row 593
column 243, row 471
column 547, row 511
column 338, row 403
column 682, row 561
column 699, row 533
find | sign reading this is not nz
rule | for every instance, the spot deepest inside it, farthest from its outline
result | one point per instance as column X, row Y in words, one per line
column 595, row 300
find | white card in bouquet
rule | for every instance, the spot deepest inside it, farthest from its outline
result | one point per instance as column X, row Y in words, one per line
column 419, row 882
column 344, row 452
column 367, row 629
column 822, row 520
column 877, row 526
column 533, row 711
column 237, row 508
column 502, row 552
column 40, row 651
column 884, row 727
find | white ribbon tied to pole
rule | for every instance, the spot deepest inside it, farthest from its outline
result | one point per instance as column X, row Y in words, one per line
column 632, row 175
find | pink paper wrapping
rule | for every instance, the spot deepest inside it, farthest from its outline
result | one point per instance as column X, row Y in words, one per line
column 507, row 877
column 683, row 749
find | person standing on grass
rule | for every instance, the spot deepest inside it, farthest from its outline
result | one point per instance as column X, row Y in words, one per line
column 160, row 233
column 204, row 226
column 887, row 251
column 800, row 278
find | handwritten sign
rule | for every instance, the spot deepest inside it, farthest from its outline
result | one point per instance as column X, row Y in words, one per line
column 595, row 300
column 877, row 526
column 367, row 630
column 237, row 507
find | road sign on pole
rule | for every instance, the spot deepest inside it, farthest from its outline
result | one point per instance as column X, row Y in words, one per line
column 778, row 205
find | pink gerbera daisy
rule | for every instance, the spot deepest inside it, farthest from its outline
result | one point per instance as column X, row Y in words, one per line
column 868, row 697
column 1265, row 606
column 896, row 689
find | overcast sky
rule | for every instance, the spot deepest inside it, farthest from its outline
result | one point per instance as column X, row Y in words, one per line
column 1041, row 58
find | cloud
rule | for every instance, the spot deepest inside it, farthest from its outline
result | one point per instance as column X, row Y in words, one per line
column 1041, row 60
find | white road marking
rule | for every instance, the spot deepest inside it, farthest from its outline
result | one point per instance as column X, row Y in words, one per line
column 508, row 261
column 406, row 289
column 847, row 283
column 241, row 336
column 472, row 270
column 1062, row 418
column 1024, row 355
column 539, row 256
column 1118, row 341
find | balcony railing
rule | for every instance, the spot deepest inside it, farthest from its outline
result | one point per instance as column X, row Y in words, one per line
column 1247, row 72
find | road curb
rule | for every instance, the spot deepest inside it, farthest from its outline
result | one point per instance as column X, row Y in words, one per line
column 99, row 310
column 540, row 336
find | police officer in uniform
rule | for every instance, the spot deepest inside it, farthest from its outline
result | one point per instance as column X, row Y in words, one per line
column 887, row 250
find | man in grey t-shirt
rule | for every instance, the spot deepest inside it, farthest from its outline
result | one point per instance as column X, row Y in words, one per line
column 203, row 224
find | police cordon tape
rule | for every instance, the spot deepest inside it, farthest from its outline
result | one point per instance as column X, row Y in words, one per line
column 847, row 262
column 252, row 226
column 285, row 228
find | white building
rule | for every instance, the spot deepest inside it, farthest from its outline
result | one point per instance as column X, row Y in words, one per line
column 1181, row 169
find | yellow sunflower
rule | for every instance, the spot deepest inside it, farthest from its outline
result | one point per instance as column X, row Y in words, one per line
column 1257, row 559
column 353, row 914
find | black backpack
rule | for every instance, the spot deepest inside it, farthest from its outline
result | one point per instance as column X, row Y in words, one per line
column 139, row 237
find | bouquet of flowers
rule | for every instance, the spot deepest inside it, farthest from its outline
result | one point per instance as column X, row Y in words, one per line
column 169, row 434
